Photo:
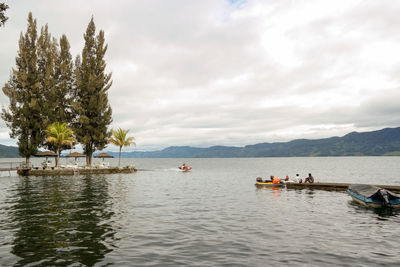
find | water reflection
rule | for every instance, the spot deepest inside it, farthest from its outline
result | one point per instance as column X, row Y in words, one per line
column 383, row 212
column 310, row 193
column 386, row 212
column 62, row 220
column 276, row 191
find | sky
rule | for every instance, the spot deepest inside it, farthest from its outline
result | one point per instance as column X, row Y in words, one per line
column 234, row 73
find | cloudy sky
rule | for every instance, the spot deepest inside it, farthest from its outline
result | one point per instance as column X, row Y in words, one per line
column 222, row 72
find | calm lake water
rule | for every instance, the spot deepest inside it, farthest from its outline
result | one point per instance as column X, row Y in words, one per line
column 212, row 216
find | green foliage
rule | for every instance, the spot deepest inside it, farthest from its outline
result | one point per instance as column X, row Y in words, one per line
column 65, row 80
column 93, row 112
column 40, row 89
column 56, row 78
column 3, row 18
column 46, row 87
column 59, row 135
column 119, row 138
column 23, row 115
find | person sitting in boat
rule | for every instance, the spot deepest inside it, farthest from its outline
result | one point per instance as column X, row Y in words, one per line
column 276, row 180
column 271, row 178
column 287, row 178
column 297, row 179
column 309, row 179
column 184, row 167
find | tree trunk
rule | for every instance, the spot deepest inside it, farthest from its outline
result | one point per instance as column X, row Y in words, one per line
column 58, row 157
column 88, row 161
column 119, row 158
column 27, row 162
column 89, row 152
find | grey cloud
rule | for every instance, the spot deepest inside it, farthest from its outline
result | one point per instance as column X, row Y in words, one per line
column 201, row 72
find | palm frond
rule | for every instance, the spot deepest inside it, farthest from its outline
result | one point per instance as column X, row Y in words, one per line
column 59, row 134
column 119, row 138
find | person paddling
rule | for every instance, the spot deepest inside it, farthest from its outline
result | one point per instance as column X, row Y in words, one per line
column 276, row 180
column 183, row 167
column 271, row 178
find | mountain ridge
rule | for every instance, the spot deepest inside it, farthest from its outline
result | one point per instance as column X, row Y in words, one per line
column 374, row 143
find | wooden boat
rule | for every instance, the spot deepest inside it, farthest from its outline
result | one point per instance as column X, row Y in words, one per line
column 373, row 196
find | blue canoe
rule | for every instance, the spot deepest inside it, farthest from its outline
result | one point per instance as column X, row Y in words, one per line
column 373, row 196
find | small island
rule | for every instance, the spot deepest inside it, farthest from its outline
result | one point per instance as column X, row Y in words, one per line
column 74, row 171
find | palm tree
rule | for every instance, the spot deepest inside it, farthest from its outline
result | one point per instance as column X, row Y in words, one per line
column 119, row 138
column 59, row 135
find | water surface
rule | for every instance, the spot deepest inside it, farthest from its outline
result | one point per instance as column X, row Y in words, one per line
column 212, row 216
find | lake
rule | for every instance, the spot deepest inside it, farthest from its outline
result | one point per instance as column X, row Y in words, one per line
column 212, row 216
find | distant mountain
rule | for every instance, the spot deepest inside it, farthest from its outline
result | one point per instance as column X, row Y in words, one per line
column 385, row 142
column 8, row 152
column 376, row 143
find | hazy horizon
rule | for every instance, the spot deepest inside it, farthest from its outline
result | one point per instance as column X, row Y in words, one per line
column 111, row 148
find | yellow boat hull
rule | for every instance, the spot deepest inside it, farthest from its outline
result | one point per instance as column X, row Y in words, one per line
column 270, row 184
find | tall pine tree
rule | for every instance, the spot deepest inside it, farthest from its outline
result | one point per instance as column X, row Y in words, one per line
column 24, row 114
column 91, row 105
column 55, row 68
column 65, row 80
column 40, row 88
column 46, row 63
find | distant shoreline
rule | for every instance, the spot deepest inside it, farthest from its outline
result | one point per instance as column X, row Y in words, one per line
column 347, row 156
column 385, row 142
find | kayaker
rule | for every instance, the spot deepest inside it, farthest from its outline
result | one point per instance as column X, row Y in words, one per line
column 276, row 180
column 271, row 178
column 184, row 167
column 309, row 179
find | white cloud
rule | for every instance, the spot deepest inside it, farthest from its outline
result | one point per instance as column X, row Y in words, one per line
column 234, row 72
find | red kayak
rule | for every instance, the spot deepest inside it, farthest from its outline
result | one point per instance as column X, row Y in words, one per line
column 185, row 169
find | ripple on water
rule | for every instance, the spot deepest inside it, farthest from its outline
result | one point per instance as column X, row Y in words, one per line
column 213, row 216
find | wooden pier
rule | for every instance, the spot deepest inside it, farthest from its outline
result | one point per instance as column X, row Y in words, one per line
column 23, row 170
column 12, row 166
column 335, row 186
